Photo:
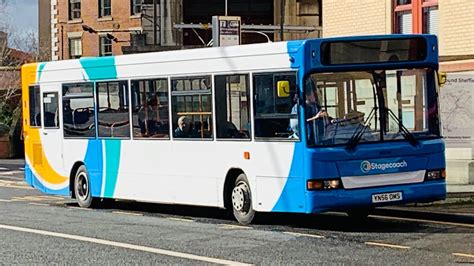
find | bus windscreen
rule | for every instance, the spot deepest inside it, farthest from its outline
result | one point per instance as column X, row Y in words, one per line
column 373, row 51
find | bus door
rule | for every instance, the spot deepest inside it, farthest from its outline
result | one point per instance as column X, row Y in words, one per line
column 51, row 134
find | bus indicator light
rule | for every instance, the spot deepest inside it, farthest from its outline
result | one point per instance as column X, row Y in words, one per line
column 247, row 155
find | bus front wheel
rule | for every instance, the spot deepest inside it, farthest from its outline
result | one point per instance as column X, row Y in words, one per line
column 82, row 189
column 242, row 200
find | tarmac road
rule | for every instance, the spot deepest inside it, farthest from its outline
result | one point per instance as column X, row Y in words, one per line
column 37, row 228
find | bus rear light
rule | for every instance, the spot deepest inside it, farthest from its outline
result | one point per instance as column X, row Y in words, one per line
column 435, row 174
column 323, row 184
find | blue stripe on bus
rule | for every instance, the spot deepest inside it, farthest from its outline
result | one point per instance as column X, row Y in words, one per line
column 112, row 163
column 292, row 197
column 32, row 180
column 94, row 164
column 40, row 71
column 99, row 68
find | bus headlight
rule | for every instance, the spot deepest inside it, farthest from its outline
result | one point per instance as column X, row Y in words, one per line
column 324, row 184
column 435, row 175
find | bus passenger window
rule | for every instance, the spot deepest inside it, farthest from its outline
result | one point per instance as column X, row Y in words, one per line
column 78, row 110
column 50, row 110
column 35, row 103
column 232, row 106
column 192, row 107
column 276, row 116
column 150, row 115
column 113, row 119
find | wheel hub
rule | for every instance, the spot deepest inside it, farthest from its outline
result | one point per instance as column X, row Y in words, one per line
column 82, row 186
column 240, row 197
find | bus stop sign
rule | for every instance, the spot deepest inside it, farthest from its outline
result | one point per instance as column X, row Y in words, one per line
column 226, row 30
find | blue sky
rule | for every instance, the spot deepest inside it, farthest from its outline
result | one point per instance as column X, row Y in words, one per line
column 22, row 16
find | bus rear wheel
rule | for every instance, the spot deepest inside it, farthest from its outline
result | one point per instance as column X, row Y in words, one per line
column 82, row 189
column 241, row 197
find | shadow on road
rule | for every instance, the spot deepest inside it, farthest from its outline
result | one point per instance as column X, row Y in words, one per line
column 338, row 222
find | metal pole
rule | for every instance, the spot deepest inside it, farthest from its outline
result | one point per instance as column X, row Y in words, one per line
column 282, row 19
column 155, row 33
column 226, row 7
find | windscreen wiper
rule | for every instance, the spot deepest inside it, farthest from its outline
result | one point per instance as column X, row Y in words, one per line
column 359, row 132
column 405, row 132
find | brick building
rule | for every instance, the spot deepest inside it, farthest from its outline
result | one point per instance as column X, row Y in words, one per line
column 149, row 25
column 452, row 21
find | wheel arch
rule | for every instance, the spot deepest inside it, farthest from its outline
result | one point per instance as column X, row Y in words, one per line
column 230, row 178
column 72, row 175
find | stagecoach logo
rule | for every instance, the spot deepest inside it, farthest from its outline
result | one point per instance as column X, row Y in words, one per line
column 367, row 166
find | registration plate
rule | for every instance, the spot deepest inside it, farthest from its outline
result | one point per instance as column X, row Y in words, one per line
column 387, row 197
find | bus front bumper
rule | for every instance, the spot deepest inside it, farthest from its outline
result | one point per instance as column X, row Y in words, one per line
column 346, row 199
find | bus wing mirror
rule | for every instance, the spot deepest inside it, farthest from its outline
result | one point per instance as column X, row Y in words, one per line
column 441, row 78
column 283, row 87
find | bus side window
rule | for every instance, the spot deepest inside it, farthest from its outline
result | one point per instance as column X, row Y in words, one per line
column 150, row 113
column 78, row 110
column 35, row 104
column 113, row 120
column 50, row 109
column 275, row 116
column 232, row 106
column 191, row 99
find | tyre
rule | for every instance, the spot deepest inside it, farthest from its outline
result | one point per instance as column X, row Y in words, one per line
column 82, row 189
column 241, row 198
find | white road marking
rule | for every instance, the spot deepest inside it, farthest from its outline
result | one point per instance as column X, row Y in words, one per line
column 463, row 255
column 301, row 234
column 79, row 208
column 386, row 245
column 128, row 213
column 180, row 219
column 231, row 226
column 122, row 245
column 3, row 200
column 3, row 168
column 11, row 172
column 422, row 220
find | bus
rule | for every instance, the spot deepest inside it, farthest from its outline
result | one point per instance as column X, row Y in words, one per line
column 307, row 126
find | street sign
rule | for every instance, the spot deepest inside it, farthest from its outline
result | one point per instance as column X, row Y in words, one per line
column 226, row 30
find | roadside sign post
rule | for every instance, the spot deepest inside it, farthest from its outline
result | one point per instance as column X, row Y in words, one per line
column 226, row 30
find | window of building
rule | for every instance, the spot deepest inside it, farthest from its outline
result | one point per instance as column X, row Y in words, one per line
column 136, row 7
column 276, row 116
column 75, row 48
column 150, row 113
column 191, row 99
column 105, row 46
column 113, row 105
column 50, row 110
column 416, row 16
column 74, row 9
column 232, row 99
column 78, row 110
column 105, row 8
column 35, row 106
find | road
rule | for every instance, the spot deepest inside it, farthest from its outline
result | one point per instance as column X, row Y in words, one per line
column 37, row 228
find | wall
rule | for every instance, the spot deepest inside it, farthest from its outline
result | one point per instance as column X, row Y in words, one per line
column 120, row 20
column 356, row 17
column 456, row 27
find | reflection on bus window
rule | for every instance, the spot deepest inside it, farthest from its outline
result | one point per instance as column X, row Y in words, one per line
column 35, row 103
column 78, row 110
column 150, row 115
column 112, row 115
column 192, row 107
column 232, row 106
column 275, row 117
column 50, row 110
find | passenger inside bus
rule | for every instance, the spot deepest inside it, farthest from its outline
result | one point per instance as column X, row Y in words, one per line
column 185, row 129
